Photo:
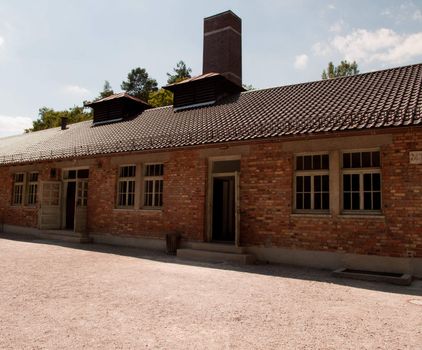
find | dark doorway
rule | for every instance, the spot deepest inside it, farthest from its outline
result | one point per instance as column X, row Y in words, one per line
column 70, row 205
column 223, row 213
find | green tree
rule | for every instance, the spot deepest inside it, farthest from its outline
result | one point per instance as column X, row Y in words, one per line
column 160, row 98
column 344, row 69
column 248, row 87
column 181, row 72
column 107, row 91
column 49, row 118
column 139, row 84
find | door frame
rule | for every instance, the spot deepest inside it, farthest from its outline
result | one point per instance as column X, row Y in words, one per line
column 210, row 196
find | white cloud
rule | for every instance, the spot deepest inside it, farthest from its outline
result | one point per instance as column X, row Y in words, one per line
column 1, row 41
column 417, row 15
column 331, row 7
column 75, row 90
column 402, row 12
column 337, row 26
column 13, row 125
column 382, row 45
column 301, row 61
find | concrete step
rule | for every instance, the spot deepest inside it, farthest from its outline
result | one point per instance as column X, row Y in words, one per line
column 212, row 256
column 64, row 236
column 217, row 247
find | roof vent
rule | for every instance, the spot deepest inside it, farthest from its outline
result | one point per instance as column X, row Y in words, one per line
column 116, row 108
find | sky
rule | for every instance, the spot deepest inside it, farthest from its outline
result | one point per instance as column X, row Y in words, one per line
column 59, row 53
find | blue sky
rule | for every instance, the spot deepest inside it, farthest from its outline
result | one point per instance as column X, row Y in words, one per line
column 58, row 53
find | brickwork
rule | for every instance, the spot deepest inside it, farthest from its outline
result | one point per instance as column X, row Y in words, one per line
column 266, row 191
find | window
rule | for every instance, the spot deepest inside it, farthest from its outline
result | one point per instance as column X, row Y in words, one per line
column 82, row 195
column 312, row 182
column 18, row 188
column 32, row 188
column 153, row 185
column 126, row 186
column 361, row 181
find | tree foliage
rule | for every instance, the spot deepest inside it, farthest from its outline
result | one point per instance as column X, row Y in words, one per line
column 49, row 118
column 248, row 87
column 160, row 98
column 139, row 84
column 181, row 72
column 344, row 69
column 107, row 91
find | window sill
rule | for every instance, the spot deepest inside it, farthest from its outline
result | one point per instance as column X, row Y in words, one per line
column 311, row 215
column 141, row 210
column 379, row 216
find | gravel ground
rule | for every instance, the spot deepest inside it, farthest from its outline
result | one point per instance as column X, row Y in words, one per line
column 98, row 297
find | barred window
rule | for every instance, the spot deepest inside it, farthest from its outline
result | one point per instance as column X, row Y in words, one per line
column 126, row 186
column 153, row 185
column 312, row 190
column 18, row 188
column 361, row 181
column 32, row 188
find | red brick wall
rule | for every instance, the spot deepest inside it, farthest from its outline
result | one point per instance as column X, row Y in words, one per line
column 265, row 203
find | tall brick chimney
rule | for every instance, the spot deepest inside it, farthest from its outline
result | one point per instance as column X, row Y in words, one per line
column 223, row 46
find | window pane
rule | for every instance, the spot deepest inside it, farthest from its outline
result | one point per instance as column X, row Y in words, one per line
column 299, row 163
column 317, row 200
column 347, row 201
column 367, row 201
column 299, row 201
column 83, row 174
column 299, row 183
column 307, row 183
column 346, row 182
column 376, row 159
column 376, row 182
column 325, row 201
column 367, row 182
column 355, row 182
column 307, row 201
column 346, row 160
column 355, row 201
column 376, row 201
column 325, row 162
column 316, row 162
column 325, row 183
column 366, row 159
column 356, row 160
column 307, row 163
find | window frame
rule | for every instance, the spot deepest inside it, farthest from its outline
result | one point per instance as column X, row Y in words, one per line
column 22, row 185
column 312, row 173
column 29, row 193
column 361, row 171
column 126, row 180
column 154, row 179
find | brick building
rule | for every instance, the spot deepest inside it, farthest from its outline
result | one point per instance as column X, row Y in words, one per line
column 325, row 174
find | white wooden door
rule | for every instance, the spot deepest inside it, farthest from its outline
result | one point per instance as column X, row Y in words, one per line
column 50, row 206
column 81, row 204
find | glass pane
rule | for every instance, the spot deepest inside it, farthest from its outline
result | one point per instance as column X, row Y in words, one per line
column 356, row 160
column 367, row 201
column 347, row 201
column 299, row 201
column 325, row 162
column 307, row 183
column 299, row 163
column 376, row 182
column 317, row 183
column 325, row 201
column 299, row 183
column 346, row 182
column 72, row 174
column 317, row 200
column 307, row 201
column 316, row 162
column 376, row 159
column 325, row 183
column 366, row 159
column 355, row 182
column 83, row 174
column 307, row 163
column 355, row 201
column 131, row 199
column 346, row 160
column 376, row 205
column 367, row 182
column 160, row 200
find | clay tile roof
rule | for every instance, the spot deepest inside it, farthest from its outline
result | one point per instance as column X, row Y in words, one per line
column 116, row 96
column 382, row 99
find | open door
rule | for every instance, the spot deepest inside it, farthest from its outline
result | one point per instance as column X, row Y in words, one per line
column 50, row 206
column 81, row 204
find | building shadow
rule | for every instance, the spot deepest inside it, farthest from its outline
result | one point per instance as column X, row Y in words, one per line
column 274, row 270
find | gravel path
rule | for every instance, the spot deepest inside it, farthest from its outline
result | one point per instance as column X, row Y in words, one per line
column 98, row 297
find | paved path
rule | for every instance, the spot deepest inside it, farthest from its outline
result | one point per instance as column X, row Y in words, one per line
column 100, row 297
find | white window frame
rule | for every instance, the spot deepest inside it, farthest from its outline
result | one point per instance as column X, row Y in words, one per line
column 361, row 172
column 127, row 180
column 21, row 185
column 154, row 179
column 312, row 174
column 32, row 194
